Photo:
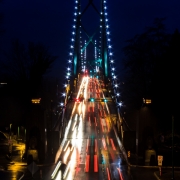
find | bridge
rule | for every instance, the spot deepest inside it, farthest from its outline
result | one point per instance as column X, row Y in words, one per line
column 91, row 124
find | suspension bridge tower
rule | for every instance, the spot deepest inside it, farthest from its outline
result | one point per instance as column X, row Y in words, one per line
column 90, row 42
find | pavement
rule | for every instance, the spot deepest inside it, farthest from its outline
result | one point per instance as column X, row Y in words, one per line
column 159, row 173
column 24, row 172
column 167, row 174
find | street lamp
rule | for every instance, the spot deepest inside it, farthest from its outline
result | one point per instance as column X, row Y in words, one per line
column 10, row 131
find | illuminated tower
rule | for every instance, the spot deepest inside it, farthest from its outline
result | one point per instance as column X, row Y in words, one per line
column 79, row 57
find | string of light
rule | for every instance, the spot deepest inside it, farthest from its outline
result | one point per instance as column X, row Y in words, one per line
column 69, row 68
column 110, row 56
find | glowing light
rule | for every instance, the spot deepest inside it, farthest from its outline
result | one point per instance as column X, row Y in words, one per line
column 120, row 104
column 65, row 157
column 59, row 175
column 74, row 126
column 66, row 145
column 66, row 170
column 55, row 170
column 61, row 104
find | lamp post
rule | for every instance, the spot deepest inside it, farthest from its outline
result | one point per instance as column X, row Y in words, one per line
column 10, row 131
column 172, row 148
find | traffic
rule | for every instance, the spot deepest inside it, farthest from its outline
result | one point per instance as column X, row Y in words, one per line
column 90, row 149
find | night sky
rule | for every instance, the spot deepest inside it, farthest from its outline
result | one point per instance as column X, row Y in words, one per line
column 50, row 22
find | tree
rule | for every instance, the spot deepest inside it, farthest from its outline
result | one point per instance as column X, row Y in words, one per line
column 152, row 71
column 142, row 54
column 25, row 67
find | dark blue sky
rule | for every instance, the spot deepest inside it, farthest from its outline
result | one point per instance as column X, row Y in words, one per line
column 50, row 22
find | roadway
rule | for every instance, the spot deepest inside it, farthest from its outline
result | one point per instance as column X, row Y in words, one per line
column 90, row 149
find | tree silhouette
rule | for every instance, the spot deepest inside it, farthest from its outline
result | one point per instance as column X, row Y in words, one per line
column 25, row 67
column 141, row 56
column 151, row 70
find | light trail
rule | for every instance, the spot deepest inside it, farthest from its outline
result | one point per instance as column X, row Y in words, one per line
column 55, row 170
column 95, row 163
column 73, row 126
column 95, row 148
column 59, row 175
column 108, row 174
column 66, row 145
column 66, row 155
column 112, row 143
column 87, row 163
column 87, row 146
column 101, row 125
column 95, row 121
column 104, row 143
column 66, row 170
column 120, row 174
column 107, row 138
column 89, row 121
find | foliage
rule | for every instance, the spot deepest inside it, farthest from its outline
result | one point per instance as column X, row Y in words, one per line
column 24, row 67
column 151, row 69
